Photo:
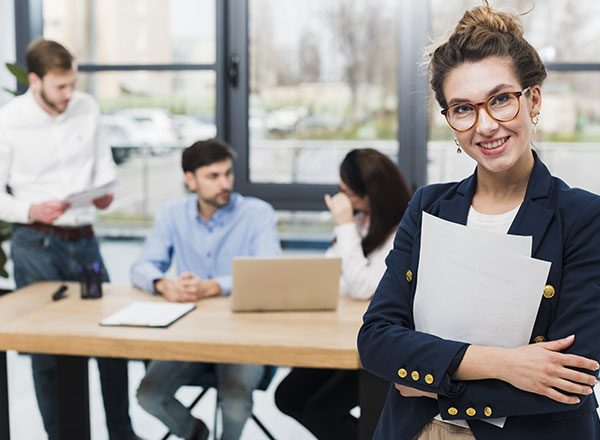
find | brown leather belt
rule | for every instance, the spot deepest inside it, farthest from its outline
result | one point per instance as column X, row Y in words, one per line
column 68, row 233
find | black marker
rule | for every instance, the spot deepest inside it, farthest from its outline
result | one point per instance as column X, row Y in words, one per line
column 60, row 292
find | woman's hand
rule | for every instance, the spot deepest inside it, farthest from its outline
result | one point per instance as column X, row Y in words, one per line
column 340, row 207
column 542, row 369
column 413, row 392
column 538, row 368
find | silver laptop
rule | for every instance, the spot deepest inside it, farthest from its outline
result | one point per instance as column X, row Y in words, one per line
column 270, row 284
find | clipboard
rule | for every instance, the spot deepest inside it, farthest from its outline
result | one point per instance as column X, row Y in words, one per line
column 148, row 314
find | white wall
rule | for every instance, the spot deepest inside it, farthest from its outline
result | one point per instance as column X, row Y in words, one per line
column 7, row 47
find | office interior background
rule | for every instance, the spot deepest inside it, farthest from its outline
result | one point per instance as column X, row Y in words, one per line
column 292, row 86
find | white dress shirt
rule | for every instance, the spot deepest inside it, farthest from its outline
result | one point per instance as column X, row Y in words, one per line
column 44, row 158
column 360, row 274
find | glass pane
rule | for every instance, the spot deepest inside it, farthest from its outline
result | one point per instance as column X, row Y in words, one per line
column 147, row 118
column 569, row 128
column 133, row 31
column 561, row 30
column 322, row 82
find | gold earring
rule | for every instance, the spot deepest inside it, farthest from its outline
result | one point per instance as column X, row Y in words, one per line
column 458, row 150
column 534, row 120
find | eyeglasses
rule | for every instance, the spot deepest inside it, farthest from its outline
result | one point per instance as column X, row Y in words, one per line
column 502, row 107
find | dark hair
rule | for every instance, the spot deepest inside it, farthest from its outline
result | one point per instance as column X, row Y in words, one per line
column 204, row 153
column 367, row 172
column 483, row 32
column 44, row 56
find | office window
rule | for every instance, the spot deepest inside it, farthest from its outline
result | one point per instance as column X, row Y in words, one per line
column 148, row 117
column 560, row 30
column 569, row 127
column 568, row 134
column 151, row 65
column 322, row 81
column 133, row 31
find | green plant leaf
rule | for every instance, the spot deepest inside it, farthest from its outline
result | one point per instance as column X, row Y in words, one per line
column 19, row 72
column 12, row 92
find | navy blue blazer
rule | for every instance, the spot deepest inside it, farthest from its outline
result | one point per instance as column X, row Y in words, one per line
column 565, row 225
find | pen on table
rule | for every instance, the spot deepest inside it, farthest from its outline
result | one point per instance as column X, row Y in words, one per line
column 60, row 292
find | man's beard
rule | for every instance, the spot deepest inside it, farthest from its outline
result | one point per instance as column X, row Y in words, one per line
column 53, row 105
column 214, row 201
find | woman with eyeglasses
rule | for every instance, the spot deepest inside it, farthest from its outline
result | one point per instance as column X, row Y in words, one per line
column 488, row 80
column 372, row 199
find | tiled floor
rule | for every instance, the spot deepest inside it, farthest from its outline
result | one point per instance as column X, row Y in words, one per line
column 26, row 422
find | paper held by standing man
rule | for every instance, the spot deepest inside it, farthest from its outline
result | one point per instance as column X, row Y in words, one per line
column 86, row 197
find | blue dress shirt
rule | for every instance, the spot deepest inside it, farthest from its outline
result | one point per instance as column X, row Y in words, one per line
column 246, row 226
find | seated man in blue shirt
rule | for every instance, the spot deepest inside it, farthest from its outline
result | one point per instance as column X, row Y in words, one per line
column 204, row 232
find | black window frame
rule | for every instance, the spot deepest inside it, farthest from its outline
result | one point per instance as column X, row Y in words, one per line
column 412, row 111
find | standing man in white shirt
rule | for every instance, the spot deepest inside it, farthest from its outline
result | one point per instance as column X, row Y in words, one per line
column 48, row 149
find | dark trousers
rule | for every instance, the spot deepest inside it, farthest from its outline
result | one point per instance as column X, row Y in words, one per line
column 39, row 256
column 321, row 400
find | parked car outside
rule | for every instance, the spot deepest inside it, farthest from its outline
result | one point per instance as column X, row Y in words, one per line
column 283, row 121
column 120, row 134
column 192, row 129
column 151, row 129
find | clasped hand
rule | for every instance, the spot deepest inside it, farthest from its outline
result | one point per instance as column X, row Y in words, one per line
column 188, row 287
column 543, row 369
column 537, row 368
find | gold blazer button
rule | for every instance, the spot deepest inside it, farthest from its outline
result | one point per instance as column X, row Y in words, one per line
column 549, row 291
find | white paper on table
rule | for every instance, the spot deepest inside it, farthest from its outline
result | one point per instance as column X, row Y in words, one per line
column 148, row 314
column 476, row 288
column 84, row 198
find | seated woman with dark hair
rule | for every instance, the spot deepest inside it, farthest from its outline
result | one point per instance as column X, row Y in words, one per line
column 372, row 199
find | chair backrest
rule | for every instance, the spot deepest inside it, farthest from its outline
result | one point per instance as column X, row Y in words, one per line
column 268, row 375
column 209, row 378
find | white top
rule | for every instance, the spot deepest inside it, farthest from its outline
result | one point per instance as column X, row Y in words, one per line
column 360, row 274
column 45, row 158
column 490, row 222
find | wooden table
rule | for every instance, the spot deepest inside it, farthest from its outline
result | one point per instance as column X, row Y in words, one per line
column 31, row 322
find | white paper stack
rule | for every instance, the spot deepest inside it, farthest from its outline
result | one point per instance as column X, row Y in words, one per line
column 477, row 286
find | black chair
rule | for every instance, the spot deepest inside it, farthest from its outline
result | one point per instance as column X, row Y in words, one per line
column 208, row 380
